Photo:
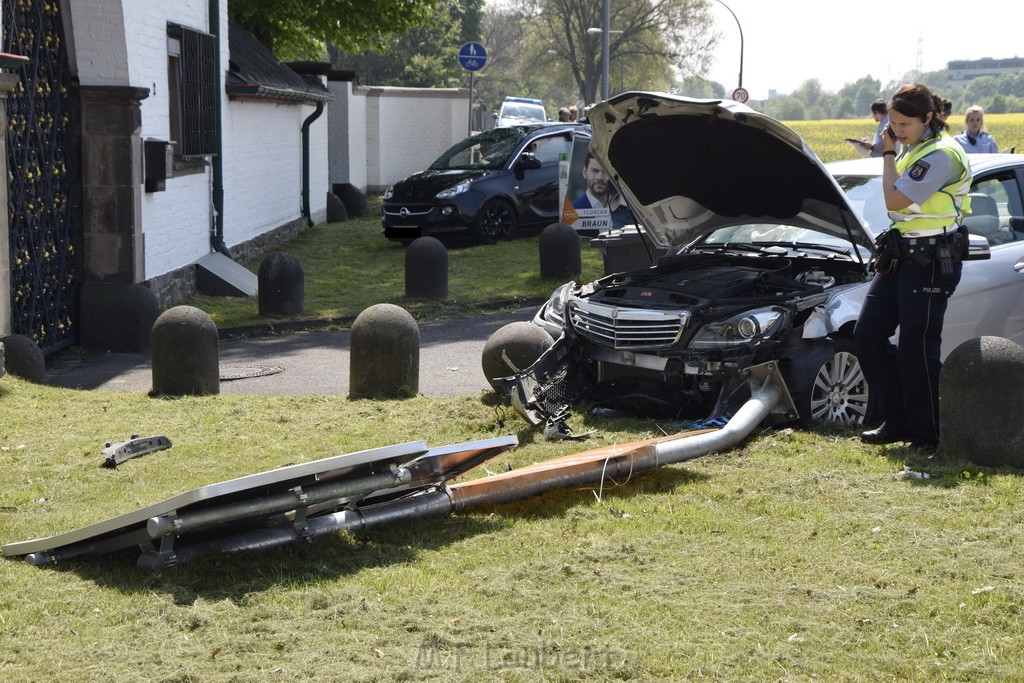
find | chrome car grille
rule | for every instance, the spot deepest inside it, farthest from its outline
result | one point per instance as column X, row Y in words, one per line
column 407, row 214
column 627, row 328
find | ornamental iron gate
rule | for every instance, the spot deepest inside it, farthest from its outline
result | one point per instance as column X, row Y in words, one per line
column 42, row 234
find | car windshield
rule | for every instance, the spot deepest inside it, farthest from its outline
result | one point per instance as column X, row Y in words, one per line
column 865, row 194
column 523, row 112
column 771, row 234
column 489, row 150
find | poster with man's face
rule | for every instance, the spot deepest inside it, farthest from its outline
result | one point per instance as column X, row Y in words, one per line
column 590, row 202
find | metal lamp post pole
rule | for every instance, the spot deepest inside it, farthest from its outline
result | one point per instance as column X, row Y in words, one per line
column 605, row 30
column 741, row 36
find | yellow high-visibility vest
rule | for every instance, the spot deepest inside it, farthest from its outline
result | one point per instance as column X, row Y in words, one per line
column 947, row 206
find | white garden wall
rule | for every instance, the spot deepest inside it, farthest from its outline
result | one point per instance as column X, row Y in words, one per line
column 369, row 137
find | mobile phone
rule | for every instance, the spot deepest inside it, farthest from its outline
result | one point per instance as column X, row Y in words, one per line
column 888, row 129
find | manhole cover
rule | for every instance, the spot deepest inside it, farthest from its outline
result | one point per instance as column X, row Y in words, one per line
column 229, row 372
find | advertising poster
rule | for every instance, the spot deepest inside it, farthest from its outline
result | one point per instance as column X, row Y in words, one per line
column 590, row 203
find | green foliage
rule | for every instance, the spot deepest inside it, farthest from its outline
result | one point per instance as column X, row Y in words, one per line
column 827, row 137
column 996, row 94
column 654, row 38
column 294, row 28
column 695, row 86
column 423, row 57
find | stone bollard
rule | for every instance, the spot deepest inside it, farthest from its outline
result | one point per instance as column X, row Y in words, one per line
column 559, row 252
column 23, row 358
column 281, row 285
column 116, row 317
column 384, row 354
column 352, row 197
column 980, row 403
column 184, row 353
column 336, row 211
column 426, row 269
column 521, row 341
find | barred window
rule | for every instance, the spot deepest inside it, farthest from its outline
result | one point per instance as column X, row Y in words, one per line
column 192, row 89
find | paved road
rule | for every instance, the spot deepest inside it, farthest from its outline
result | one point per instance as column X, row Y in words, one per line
column 310, row 362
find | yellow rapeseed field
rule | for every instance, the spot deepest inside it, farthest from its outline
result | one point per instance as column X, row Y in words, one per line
column 827, row 138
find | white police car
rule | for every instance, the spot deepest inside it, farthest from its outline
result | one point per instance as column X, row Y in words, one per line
column 520, row 110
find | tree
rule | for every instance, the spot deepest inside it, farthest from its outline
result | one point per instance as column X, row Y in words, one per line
column 672, row 34
column 861, row 93
column 423, row 57
column 700, row 88
column 301, row 28
column 810, row 91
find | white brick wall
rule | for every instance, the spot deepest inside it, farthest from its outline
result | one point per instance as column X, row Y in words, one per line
column 263, row 166
column 176, row 222
column 384, row 134
column 99, row 39
column 407, row 128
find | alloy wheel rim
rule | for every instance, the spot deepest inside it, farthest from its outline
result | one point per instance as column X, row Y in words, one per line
column 840, row 391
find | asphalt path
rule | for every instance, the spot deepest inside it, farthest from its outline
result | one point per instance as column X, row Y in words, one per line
column 300, row 363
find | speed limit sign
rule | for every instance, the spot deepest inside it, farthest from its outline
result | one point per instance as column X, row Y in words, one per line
column 740, row 95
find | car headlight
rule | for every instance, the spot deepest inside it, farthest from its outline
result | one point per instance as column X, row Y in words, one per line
column 744, row 328
column 554, row 310
column 388, row 192
column 452, row 191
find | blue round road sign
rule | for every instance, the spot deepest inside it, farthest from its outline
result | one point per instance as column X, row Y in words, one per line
column 472, row 56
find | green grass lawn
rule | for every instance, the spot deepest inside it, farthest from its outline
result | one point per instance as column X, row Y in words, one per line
column 799, row 556
column 349, row 266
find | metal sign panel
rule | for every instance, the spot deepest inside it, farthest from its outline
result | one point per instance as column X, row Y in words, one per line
column 334, row 482
column 472, row 56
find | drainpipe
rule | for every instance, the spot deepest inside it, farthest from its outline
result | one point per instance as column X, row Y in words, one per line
column 305, row 161
column 217, row 159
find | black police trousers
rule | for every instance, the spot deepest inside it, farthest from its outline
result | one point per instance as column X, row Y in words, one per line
column 904, row 377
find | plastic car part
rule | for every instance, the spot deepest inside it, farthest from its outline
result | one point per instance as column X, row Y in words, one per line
column 117, row 453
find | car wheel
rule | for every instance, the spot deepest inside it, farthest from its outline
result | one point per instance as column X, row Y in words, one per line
column 496, row 221
column 836, row 392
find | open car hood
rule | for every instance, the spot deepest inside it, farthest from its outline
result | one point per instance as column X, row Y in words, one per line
column 688, row 167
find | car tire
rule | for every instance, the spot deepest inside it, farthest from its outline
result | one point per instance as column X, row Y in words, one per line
column 496, row 221
column 836, row 391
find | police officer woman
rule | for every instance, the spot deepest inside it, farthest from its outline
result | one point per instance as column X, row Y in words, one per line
column 925, row 190
column 974, row 138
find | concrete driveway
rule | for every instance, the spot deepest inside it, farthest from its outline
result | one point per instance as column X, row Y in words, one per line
column 308, row 362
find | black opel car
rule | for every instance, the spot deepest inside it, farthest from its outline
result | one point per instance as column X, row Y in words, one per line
column 487, row 186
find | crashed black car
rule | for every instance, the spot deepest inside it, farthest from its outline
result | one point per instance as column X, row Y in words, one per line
column 760, row 239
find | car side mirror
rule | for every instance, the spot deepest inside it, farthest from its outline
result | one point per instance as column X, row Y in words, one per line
column 527, row 161
column 978, row 249
column 494, row 115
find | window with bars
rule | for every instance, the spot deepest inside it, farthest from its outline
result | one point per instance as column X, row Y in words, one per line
column 192, row 89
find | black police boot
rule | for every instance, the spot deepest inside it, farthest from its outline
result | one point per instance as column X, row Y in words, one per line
column 882, row 435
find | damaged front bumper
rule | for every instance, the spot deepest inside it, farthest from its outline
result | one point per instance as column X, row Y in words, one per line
column 572, row 370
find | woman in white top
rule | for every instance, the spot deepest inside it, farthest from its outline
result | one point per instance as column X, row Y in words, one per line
column 975, row 140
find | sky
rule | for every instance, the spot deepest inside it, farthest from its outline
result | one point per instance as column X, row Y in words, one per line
column 786, row 42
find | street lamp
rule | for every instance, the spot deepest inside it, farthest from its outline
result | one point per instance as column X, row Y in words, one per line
column 741, row 37
column 604, row 50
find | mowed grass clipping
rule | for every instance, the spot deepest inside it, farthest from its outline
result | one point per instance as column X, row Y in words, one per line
column 798, row 556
